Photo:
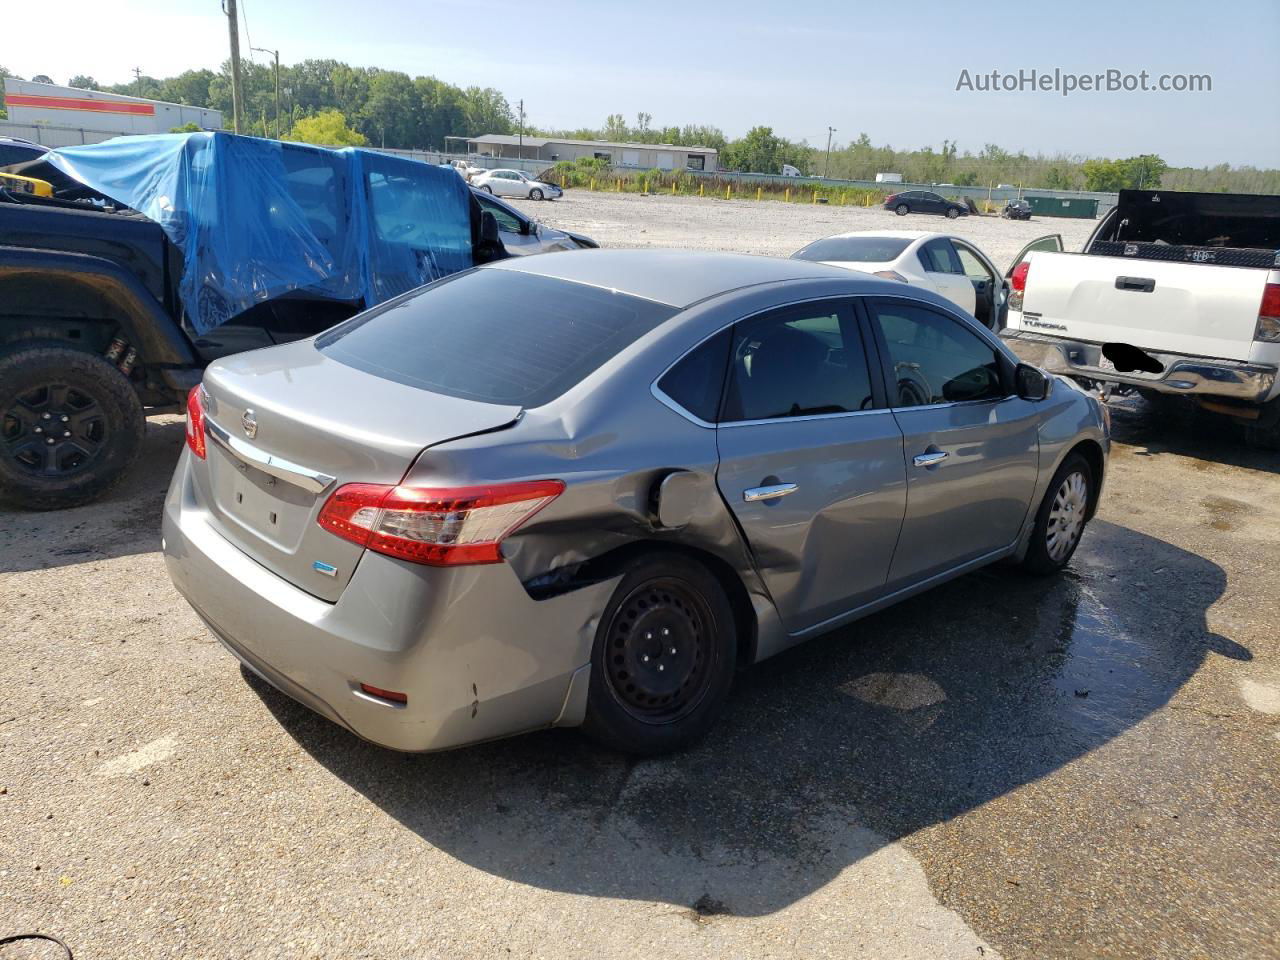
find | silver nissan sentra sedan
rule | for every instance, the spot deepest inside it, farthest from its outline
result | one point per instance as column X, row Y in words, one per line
column 586, row 489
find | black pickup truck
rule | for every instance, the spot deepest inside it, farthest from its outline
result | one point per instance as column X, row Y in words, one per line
column 93, row 334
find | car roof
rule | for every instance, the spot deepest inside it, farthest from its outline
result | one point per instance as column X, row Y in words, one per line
column 900, row 234
column 678, row 278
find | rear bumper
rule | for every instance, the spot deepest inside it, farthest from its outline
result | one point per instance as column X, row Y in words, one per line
column 476, row 656
column 1182, row 375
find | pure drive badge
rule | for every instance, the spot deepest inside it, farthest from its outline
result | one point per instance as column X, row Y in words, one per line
column 328, row 569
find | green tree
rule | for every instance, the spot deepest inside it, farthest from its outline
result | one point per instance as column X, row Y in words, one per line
column 186, row 128
column 4, row 72
column 81, row 82
column 486, row 110
column 328, row 128
column 1105, row 175
column 615, row 128
column 190, row 88
column 390, row 116
column 1144, row 172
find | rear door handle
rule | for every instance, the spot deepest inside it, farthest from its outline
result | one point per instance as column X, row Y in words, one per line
column 1137, row 284
column 930, row 459
column 753, row 494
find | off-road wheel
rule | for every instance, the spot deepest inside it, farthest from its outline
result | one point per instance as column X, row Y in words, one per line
column 70, row 426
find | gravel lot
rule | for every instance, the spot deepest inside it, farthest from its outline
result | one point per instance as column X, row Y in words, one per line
column 1084, row 767
column 772, row 228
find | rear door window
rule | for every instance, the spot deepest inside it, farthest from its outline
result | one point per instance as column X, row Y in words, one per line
column 495, row 336
column 795, row 362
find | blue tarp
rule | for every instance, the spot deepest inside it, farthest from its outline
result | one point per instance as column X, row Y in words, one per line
column 257, row 219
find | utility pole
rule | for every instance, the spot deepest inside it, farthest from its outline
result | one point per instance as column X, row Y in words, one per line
column 826, row 171
column 137, row 76
column 521, row 150
column 237, row 95
column 276, row 54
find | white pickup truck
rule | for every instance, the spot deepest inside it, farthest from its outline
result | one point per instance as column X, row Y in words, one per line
column 1174, row 293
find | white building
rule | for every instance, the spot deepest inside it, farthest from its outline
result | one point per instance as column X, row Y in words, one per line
column 58, row 116
column 642, row 156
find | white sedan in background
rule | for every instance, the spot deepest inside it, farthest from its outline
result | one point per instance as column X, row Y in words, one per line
column 514, row 183
column 948, row 265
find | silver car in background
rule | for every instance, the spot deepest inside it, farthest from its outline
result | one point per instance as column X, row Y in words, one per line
column 585, row 489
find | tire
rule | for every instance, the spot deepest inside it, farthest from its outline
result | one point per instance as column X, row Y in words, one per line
column 44, row 388
column 633, row 705
column 1045, row 555
column 952, row 213
column 902, row 209
column 487, row 189
column 535, row 194
column 1264, row 433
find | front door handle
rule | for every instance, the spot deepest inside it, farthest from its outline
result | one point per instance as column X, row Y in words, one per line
column 930, row 459
column 753, row 494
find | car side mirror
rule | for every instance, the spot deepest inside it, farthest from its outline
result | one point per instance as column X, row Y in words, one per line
column 1031, row 383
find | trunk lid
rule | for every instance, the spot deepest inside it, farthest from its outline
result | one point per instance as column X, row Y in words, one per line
column 287, row 426
column 1199, row 309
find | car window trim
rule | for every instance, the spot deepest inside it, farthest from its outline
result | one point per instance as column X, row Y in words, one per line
column 882, row 346
column 694, row 419
column 849, row 300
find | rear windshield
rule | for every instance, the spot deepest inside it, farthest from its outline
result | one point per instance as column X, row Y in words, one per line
column 854, row 249
column 496, row 336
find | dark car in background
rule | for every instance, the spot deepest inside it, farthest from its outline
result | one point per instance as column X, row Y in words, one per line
column 1016, row 210
column 922, row 201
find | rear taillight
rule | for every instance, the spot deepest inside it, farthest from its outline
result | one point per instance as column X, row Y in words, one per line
column 1268, row 330
column 1018, row 284
column 440, row 527
column 195, row 421
column 890, row 198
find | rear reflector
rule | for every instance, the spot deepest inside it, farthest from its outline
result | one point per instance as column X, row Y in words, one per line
column 391, row 695
column 438, row 527
column 195, row 421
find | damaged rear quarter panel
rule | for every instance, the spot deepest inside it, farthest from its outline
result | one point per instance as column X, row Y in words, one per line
column 613, row 443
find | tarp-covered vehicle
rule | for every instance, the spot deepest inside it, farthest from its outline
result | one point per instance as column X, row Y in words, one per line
column 159, row 254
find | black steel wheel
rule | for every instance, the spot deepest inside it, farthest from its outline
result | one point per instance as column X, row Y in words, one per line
column 70, row 425
column 664, row 657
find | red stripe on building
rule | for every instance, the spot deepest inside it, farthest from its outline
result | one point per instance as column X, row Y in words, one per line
column 75, row 103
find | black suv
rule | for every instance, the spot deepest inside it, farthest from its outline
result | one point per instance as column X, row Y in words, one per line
column 922, row 201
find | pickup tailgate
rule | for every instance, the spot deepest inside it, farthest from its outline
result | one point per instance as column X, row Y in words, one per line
column 1199, row 309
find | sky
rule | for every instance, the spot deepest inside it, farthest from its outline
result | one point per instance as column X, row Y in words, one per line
column 798, row 68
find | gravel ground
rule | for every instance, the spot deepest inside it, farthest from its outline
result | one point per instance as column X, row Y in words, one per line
column 1079, row 767
column 768, row 227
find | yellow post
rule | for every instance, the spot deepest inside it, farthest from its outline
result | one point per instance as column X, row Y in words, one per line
column 758, row 192
column 701, row 186
column 787, row 196
column 619, row 184
column 728, row 190
column 815, row 196
column 563, row 182
column 593, row 183
column 673, row 188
